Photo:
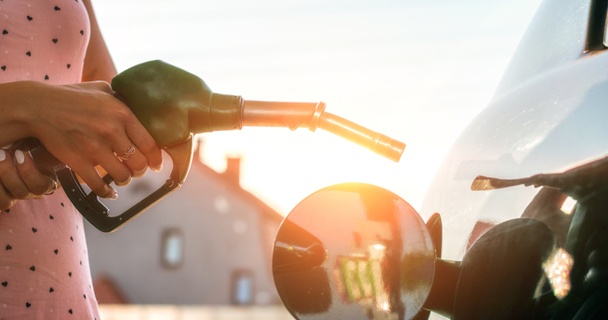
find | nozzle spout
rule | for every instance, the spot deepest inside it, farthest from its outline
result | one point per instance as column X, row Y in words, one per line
column 312, row 115
column 374, row 141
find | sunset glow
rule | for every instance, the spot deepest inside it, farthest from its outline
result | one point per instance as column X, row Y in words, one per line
column 415, row 71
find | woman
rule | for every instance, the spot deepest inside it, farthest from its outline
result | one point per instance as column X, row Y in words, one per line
column 54, row 73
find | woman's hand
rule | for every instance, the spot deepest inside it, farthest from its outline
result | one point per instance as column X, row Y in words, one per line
column 20, row 179
column 85, row 126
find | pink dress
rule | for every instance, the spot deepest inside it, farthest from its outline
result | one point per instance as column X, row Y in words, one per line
column 44, row 270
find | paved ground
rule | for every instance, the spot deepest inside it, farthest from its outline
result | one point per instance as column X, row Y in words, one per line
column 155, row 312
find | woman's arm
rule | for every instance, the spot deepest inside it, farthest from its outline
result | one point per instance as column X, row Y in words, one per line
column 83, row 125
column 98, row 64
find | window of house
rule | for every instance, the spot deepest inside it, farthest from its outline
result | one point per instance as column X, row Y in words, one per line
column 172, row 248
column 242, row 287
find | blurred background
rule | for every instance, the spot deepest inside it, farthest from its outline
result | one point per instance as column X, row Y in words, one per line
column 417, row 71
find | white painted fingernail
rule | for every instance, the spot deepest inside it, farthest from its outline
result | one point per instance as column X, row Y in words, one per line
column 113, row 195
column 2, row 155
column 7, row 146
column 19, row 156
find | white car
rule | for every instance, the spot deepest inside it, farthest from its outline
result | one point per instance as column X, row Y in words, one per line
column 548, row 115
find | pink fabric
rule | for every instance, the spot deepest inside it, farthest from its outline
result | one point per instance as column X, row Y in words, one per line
column 43, row 40
column 44, row 269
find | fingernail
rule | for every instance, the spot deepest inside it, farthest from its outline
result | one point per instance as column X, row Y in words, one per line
column 2, row 155
column 19, row 156
column 113, row 195
column 7, row 146
column 158, row 169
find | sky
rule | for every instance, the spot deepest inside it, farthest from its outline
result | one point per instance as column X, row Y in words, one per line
column 417, row 71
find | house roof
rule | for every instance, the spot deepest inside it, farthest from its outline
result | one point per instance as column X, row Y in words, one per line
column 231, row 184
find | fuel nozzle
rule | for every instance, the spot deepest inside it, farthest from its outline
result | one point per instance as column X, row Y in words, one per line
column 174, row 104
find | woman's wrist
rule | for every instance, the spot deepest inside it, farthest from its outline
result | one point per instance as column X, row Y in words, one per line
column 19, row 101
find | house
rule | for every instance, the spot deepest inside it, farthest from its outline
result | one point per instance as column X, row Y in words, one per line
column 208, row 243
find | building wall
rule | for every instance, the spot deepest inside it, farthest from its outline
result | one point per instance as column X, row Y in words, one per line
column 224, row 235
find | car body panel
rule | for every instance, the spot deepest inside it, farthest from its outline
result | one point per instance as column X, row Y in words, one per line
column 547, row 115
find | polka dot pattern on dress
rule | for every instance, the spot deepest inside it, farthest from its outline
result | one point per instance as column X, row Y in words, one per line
column 44, row 267
column 52, row 32
column 53, row 262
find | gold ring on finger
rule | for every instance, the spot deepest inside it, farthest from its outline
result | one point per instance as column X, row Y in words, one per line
column 55, row 186
column 125, row 156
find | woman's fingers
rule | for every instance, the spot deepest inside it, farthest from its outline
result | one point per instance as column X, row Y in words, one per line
column 36, row 183
column 141, row 151
column 6, row 200
column 146, row 148
column 91, row 128
column 10, row 179
column 91, row 177
column 134, row 160
column 134, row 145
column 20, row 179
column 121, row 174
